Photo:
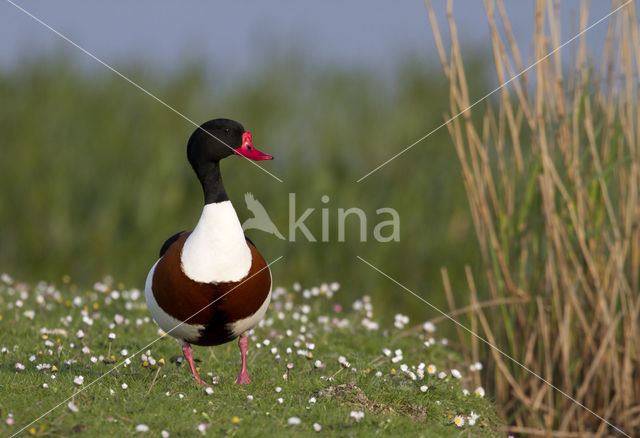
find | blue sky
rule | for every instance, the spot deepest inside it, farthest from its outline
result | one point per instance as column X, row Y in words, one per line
column 235, row 36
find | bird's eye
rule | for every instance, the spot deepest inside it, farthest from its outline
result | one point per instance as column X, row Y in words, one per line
column 227, row 130
column 249, row 147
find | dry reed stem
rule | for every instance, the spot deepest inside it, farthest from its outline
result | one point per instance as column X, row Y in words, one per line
column 452, row 306
column 561, row 260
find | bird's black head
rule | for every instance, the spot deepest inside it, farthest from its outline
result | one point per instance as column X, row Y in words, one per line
column 211, row 142
column 217, row 139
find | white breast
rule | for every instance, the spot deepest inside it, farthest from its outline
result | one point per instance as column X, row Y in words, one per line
column 216, row 251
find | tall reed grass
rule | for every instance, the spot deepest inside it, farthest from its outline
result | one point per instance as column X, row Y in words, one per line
column 551, row 174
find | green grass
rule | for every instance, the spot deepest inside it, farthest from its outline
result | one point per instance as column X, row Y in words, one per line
column 94, row 176
column 167, row 398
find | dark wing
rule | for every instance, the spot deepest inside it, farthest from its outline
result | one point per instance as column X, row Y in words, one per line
column 250, row 241
column 169, row 242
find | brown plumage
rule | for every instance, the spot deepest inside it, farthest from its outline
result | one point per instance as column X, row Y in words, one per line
column 181, row 297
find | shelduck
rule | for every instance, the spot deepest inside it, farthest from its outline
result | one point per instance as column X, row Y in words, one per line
column 211, row 285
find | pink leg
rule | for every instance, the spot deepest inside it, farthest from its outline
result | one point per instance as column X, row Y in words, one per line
column 243, row 377
column 188, row 354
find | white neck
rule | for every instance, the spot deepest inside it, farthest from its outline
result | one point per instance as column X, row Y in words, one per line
column 216, row 251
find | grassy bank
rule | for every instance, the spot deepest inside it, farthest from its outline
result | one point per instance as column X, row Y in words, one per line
column 314, row 365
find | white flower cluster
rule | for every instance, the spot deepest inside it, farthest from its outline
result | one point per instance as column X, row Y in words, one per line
column 461, row 420
column 405, row 369
column 370, row 325
column 400, row 321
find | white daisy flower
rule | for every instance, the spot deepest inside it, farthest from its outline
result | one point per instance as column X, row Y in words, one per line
column 6, row 278
column 429, row 327
column 344, row 362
